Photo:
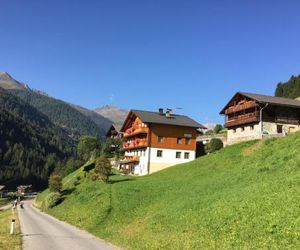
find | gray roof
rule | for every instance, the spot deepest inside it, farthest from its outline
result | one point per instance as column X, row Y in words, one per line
column 273, row 100
column 176, row 120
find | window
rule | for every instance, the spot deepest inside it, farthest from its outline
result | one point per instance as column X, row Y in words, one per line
column 242, row 129
column 279, row 129
column 178, row 155
column 252, row 127
column 159, row 153
column 160, row 139
column 186, row 155
column 187, row 141
column 234, row 130
column 179, row 140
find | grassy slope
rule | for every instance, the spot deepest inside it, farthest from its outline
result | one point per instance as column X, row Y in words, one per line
column 4, row 201
column 7, row 241
column 245, row 196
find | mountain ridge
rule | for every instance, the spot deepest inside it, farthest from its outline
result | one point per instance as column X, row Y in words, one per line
column 116, row 114
column 77, row 121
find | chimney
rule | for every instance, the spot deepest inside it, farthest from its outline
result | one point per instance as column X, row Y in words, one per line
column 161, row 111
column 168, row 113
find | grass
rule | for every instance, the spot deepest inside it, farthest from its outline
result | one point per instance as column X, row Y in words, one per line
column 244, row 196
column 7, row 241
column 4, row 201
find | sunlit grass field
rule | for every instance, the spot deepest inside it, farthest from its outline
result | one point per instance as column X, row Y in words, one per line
column 244, row 196
column 7, row 241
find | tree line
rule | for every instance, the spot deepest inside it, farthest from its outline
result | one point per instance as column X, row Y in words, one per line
column 289, row 89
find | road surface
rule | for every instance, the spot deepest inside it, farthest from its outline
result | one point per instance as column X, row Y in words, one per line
column 42, row 231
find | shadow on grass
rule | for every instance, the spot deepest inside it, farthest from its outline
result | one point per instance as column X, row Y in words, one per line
column 67, row 191
column 117, row 181
column 63, row 195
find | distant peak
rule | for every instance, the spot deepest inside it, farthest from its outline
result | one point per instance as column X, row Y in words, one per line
column 8, row 82
column 5, row 74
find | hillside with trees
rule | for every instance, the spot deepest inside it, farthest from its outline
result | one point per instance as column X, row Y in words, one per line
column 64, row 115
column 289, row 89
column 76, row 120
column 31, row 146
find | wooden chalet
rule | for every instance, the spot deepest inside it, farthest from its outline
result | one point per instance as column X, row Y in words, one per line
column 114, row 132
column 253, row 116
column 157, row 140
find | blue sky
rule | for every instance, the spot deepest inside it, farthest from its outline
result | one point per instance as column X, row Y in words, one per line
column 150, row 54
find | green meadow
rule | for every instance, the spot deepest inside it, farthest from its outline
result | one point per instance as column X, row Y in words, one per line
column 7, row 241
column 244, row 196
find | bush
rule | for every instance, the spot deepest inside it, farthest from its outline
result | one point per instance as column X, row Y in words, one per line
column 214, row 145
column 103, row 168
column 52, row 200
column 55, row 183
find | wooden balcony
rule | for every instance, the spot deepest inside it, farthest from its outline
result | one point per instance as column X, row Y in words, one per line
column 130, row 159
column 243, row 119
column 133, row 132
column 135, row 144
column 239, row 107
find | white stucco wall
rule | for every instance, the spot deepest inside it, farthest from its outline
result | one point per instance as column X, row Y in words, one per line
column 158, row 163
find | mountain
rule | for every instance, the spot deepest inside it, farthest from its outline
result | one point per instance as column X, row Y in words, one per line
column 7, row 82
column 113, row 113
column 76, row 121
column 100, row 120
column 289, row 89
column 31, row 146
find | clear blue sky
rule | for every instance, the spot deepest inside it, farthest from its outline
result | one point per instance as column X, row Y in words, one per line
column 149, row 54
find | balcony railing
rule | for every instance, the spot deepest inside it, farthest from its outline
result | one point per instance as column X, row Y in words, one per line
column 135, row 131
column 130, row 159
column 239, row 107
column 242, row 119
column 135, row 144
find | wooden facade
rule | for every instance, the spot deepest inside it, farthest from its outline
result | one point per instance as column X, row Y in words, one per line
column 141, row 135
column 253, row 116
column 173, row 137
column 157, row 140
column 243, row 110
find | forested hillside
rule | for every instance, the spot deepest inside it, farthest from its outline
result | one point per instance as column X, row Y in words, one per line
column 31, row 146
column 64, row 115
column 289, row 89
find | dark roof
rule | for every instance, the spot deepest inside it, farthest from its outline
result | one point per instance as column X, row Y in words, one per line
column 273, row 100
column 116, row 127
column 156, row 117
column 176, row 120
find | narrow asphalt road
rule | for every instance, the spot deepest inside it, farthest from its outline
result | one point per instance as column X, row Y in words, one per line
column 42, row 231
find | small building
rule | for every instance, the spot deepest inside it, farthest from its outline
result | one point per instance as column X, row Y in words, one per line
column 253, row 116
column 153, row 141
column 114, row 132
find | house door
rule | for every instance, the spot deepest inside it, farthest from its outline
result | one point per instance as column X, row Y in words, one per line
column 279, row 129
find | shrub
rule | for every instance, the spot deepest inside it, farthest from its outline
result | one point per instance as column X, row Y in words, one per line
column 103, row 168
column 214, row 145
column 52, row 200
column 55, row 183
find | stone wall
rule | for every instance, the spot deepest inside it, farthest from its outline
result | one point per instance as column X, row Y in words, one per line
column 248, row 132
